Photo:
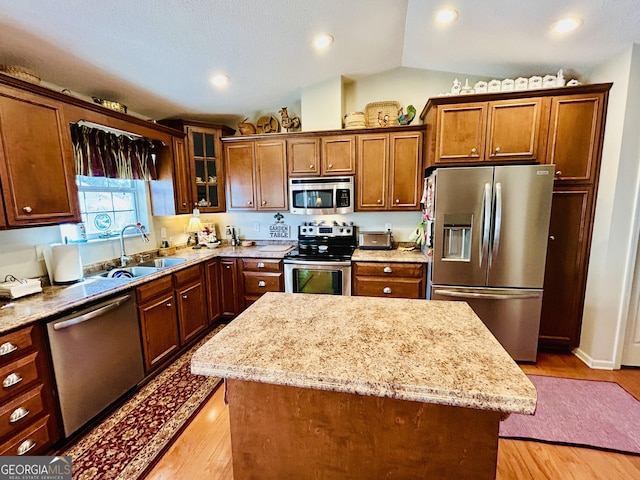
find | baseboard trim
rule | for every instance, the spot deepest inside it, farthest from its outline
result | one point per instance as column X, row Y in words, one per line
column 593, row 363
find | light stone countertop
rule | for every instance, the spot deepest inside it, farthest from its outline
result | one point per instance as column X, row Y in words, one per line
column 394, row 255
column 60, row 299
column 418, row 350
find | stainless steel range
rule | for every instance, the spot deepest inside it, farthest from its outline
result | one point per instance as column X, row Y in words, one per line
column 322, row 261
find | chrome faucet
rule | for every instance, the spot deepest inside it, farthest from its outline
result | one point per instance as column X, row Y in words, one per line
column 124, row 258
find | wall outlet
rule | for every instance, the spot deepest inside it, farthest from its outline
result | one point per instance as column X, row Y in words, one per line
column 387, row 227
column 163, row 232
column 40, row 253
column 256, row 226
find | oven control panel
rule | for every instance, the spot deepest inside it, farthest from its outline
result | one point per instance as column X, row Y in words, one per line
column 335, row 230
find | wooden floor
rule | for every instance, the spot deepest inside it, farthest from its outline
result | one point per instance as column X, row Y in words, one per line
column 204, row 448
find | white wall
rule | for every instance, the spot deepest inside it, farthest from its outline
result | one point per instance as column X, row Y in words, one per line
column 615, row 226
column 322, row 106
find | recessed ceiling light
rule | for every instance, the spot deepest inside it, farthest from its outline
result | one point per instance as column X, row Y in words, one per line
column 322, row 41
column 220, row 80
column 565, row 25
column 446, row 15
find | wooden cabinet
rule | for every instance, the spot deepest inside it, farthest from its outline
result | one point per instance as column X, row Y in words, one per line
column 172, row 311
column 256, row 175
column 212, row 277
column 322, row 155
column 229, row 294
column 389, row 279
column 28, row 417
column 260, row 276
column 37, row 167
column 488, row 131
column 389, row 171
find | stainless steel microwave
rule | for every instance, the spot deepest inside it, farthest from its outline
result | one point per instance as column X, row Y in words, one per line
column 321, row 195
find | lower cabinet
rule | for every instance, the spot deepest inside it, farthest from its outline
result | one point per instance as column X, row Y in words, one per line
column 229, row 296
column 172, row 311
column 212, row 277
column 260, row 276
column 28, row 418
column 389, row 279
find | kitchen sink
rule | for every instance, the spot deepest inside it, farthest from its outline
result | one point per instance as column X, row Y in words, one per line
column 163, row 262
column 130, row 272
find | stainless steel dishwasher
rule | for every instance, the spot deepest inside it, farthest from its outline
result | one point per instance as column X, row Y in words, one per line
column 97, row 357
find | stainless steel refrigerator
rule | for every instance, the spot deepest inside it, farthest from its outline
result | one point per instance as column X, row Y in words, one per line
column 489, row 237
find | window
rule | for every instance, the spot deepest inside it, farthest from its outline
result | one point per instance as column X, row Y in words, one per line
column 108, row 204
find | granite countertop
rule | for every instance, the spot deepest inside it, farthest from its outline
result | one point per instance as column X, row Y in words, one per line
column 395, row 255
column 58, row 299
column 419, row 350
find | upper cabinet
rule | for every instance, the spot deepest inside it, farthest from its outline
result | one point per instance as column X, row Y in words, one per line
column 487, row 131
column 256, row 174
column 389, row 170
column 322, row 155
column 37, row 170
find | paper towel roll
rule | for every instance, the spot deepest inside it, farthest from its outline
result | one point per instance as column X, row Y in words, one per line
column 66, row 263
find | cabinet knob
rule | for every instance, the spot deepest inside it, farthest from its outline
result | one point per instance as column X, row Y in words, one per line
column 249, row 202
column 386, row 290
column 184, row 204
column 379, row 201
column 26, row 446
column 558, row 173
column 474, row 150
column 497, row 149
column 7, row 347
column 168, row 305
column 227, row 266
column 185, row 297
column 262, row 283
column 397, row 200
column 260, row 265
column 331, row 165
column 387, row 270
column 27, row 209
column 311, row 166
column 11, row 380
column 552, row 237
column 18, row 414
column 264, row 202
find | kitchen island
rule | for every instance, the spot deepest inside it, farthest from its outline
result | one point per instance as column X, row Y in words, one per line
column 334, row 387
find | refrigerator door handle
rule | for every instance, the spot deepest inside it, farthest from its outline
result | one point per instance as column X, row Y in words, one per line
column 489, row 296
column 497, row 225
column 486, row 223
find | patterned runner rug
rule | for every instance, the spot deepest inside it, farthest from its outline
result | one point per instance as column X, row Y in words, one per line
column 129, row 442
column 584, row 413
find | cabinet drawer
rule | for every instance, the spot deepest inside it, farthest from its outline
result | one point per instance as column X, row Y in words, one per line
column 17, row 375
column 12, row 345
column 19, row 412
column 259, row 283
column 389, row 269
column 187, row 275
column 398, row 288
column 261, row 265
column 152, row 289
column 31, row 441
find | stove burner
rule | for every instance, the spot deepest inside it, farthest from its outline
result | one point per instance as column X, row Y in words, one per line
column 318, row 241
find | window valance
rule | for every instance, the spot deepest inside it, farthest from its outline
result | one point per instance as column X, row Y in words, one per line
column 99, row 153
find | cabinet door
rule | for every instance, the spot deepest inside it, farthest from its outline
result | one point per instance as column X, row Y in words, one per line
column 36, row 161
column 184, row 200
column 192, row 311
column 229, row 297
column 565, row 273
column 513, row 129
column 575, row 136
column 303, row 155
column 271, row 175
column 159, row 327
column 460, row 133
column 405, row 173
column 240, row 178
column 212, row 275
column 339, row 155
column 207, row 172
column 372, row 176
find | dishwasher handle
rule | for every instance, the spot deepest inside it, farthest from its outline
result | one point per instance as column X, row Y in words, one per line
column 92, row 314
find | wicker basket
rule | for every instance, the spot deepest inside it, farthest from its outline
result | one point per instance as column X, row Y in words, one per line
column 20, row 73
column 355, row 120
column 376, row 113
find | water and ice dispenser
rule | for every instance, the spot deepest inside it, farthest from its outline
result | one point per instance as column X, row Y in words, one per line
column 457, row 237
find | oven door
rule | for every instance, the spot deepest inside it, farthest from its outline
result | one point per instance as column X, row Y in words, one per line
column 331, row 278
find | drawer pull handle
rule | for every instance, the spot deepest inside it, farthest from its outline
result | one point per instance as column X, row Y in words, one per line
column 26, row 446
column 387, row 270
column 185, row 297
column 262, row 283
column 260, row 265
column 386, row 290
column 11, row 380
column 7, row 347
column 18, row 414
